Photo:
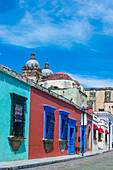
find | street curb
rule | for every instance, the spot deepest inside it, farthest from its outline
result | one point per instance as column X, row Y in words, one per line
column 32, row 165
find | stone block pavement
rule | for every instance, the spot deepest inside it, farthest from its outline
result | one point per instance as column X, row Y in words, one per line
column 23, row 164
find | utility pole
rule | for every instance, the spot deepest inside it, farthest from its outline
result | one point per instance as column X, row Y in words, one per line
column 83, row 109
column 109, row 132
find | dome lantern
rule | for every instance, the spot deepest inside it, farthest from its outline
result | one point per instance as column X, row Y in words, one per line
column 46, row 71
column 32, row 62
column 32, row 56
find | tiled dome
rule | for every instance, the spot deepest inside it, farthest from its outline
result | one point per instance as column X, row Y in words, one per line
column 46, row 71
column 59, row 76
column 32, row 61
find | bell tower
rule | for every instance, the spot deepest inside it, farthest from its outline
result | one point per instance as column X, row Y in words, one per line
column 32, row 70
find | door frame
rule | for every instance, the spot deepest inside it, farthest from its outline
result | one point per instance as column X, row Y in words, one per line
column 71, row 124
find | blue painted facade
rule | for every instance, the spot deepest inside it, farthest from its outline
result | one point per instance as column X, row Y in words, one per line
column 81, row 138
column 11, row 85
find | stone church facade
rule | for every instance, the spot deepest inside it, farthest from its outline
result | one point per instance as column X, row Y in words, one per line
column 59, row 82
column 100, row 99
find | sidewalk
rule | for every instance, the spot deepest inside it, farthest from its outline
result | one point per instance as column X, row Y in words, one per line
column 45, row 161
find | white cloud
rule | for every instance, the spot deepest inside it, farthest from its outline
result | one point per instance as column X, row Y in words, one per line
column 89, row 81
column 101, row 10
column 30, row 33
column 60, row 23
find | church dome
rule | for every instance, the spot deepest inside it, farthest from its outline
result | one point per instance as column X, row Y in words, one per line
column 46, row 71
column 32, row 61
column 59, row 76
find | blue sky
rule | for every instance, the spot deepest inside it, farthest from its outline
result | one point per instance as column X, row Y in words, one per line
column 76, row 37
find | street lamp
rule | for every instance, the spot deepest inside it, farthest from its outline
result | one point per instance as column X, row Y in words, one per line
column 83, row 110
column 109, row 132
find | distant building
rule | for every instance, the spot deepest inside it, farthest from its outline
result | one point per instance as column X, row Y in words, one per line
column 60, row 83
column 33, row 71
column 64, row 85
column 100, row 99
column 108, row 117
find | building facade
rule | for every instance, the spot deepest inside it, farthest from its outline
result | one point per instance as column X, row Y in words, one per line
column 37, row 122
column 65, row 86
column 56, row 126
column 102, row 133
column 14, row 115
column 100, row 99
column 108, row 117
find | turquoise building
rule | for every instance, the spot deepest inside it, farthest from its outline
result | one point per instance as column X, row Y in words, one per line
column 14, row 115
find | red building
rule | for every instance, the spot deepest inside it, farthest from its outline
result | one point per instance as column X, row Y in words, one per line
column 55, row 126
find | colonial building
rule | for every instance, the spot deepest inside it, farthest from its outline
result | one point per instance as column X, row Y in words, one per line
column 14, row 115
column 108, row 117
column 65, row 86
column 56, row 125
column 37, row 123
column 33, row 71
column 100, row 99
column 60, row 83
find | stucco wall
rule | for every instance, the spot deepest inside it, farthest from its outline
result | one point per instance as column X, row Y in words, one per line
column 73, row 93
column 38, row 99
column 9, row 85
column 58, row 83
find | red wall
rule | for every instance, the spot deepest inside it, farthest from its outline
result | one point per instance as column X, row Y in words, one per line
column 38, row 99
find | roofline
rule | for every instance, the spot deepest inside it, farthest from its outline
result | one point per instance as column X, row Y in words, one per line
column 30, row 82
column 99, row 89
column 15, row 75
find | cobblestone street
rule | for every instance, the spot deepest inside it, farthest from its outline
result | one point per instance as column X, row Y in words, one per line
column 102, row 161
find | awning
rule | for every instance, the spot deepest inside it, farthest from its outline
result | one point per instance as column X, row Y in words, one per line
column 95, row 127
column 100, row 130
column 106, row 132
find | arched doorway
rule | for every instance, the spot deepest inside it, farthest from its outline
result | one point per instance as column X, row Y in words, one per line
column 89, row 138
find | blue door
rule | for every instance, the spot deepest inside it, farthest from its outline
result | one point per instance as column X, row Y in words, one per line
column 71, row 136
column 72, row 141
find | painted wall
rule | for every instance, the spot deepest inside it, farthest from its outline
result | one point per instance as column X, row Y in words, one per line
column 9, row 85
column 36, row 146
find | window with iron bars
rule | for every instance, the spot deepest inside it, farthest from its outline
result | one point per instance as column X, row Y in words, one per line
column 18, row 110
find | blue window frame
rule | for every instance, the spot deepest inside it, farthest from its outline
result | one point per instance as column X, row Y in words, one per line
column 48, row 122
column 63, row 124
